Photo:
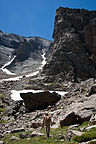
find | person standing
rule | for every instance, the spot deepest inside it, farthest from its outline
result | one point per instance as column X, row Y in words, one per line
column 47, row 123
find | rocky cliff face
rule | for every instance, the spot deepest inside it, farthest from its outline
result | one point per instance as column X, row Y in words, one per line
column 28, row 51
column 29, row 55
column 9, row 44
column 74, row 49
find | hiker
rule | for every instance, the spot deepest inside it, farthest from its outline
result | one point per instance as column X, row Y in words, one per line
column 47, row 122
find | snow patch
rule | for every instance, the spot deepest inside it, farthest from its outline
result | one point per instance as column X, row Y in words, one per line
column 16, row 94
column 60, row 20
column 5, row 70
column 27, row 75
column 32, row 74
column 43, row 62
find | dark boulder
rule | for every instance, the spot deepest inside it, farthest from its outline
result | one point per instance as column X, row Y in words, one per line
column 23, row 135
column 35, row 124
column 40, row 100
column 72, row 119
column 15, row 130
column 92, row 90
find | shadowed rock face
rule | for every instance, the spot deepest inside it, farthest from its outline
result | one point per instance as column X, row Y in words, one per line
column 34, row 101
column 74, row 49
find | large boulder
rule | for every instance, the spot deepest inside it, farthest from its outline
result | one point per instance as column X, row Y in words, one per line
column 40, row 100
column 72, row 118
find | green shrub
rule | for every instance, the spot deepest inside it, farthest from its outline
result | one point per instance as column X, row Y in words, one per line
column 1, row 95
column 2, row 110
column 2, row 121
column 86, row 136
column 92, row 142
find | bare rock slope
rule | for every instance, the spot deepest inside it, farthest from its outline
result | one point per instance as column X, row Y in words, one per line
column 28, row 52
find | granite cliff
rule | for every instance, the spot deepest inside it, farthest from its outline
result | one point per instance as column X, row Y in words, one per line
column 74, row 48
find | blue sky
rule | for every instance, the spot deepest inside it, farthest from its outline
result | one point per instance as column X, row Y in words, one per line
column 35, row 17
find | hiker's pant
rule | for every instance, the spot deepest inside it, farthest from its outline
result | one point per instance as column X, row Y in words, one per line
column 47, row 130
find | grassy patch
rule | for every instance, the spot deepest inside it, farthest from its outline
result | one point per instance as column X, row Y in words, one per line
column 54, row 137
column 92, row 142
column 2, row 121
column 34, row 140
column 2, row 96
column 64, row 86
column 2, row 110
column 83, row 125
column 87, row 136
column 40, row 140
column 59, row 131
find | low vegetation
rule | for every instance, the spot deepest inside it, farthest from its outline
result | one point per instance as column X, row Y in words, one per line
column 2, row 121
column 2, row 110
column 83, row 126
column 92, row 142
column 2, row 96
column 87, row 136
column 57, row 136
column 54, row 138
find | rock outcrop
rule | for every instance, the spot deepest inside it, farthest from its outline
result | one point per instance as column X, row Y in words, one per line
column 40, row 100
column 74, row 48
